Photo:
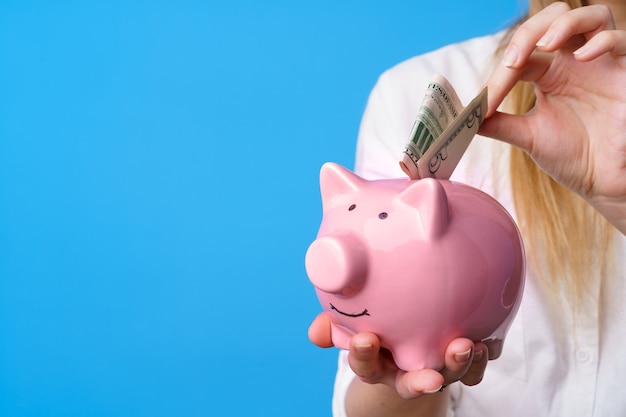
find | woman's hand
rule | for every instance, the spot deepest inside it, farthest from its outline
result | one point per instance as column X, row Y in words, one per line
column 465, row 361
column 576, row 131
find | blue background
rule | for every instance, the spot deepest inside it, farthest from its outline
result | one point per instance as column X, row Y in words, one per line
column 159, row 187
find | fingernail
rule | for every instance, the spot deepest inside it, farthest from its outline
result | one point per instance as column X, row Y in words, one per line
column 510, row 56
column 582, row 50
column 478, row 355
column 546, row 39
column 438, row 389
column 463, row 356
column 363, row 347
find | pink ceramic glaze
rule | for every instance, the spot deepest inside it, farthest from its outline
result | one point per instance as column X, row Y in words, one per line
column 418, row 263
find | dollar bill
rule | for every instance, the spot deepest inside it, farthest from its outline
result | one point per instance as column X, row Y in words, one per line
column 442, row 131
column 439, row 107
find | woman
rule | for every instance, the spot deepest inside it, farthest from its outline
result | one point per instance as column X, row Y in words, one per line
column 563, row 73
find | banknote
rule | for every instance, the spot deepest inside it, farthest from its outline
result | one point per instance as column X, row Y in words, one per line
column 438, row 108
column 442, row 131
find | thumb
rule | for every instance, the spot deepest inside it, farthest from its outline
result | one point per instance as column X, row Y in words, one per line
column 320, row 331
column 512, row 129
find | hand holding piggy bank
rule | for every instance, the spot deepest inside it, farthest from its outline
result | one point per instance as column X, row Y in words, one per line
column 417, row 262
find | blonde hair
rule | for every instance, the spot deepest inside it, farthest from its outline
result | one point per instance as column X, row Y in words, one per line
column 567, row 241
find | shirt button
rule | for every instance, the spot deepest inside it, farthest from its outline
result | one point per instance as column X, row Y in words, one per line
column 582, row 355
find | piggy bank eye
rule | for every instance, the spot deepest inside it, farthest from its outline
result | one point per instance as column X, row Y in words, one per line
column 383, row 216
column 352, row 207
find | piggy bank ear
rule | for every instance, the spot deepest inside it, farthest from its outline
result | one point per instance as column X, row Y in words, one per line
column 336, row 180
column 431, row 201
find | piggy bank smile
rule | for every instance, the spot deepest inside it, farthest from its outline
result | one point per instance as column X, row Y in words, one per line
column 343, row 313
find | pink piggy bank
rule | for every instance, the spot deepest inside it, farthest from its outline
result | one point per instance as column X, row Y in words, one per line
column 417, row 262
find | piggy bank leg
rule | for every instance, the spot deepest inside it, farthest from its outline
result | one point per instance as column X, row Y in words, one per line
column 412, row 357
column 341, row 336
column 494, row 347
column 495, row 341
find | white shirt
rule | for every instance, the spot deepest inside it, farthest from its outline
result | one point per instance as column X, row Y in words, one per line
column 553, row 364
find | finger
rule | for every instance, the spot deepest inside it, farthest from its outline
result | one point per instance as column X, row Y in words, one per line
column 375, row 365
column 417, row 383
column 476, row 370
column 512, row 129
column 520, row 53
column 457, row 359
column 611, row 41
column 588, row 21
column 365, row 359
column 525, row 38
column 503, row 79
column 320, row 331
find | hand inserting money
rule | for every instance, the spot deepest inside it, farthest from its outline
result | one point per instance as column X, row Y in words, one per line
column 441, row 133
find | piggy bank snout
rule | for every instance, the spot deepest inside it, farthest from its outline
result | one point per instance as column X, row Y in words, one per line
column 337, row 264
